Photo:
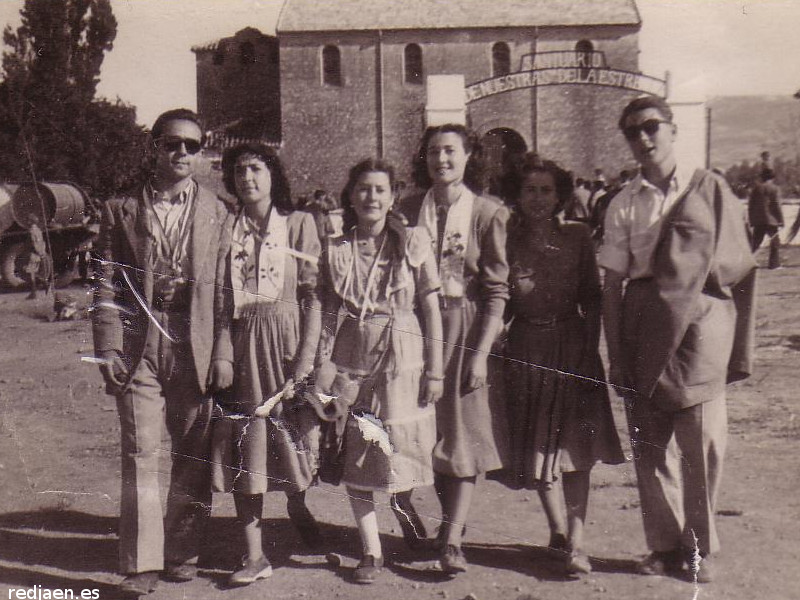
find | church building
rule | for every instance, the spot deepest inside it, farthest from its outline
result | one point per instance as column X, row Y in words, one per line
column 544, row 75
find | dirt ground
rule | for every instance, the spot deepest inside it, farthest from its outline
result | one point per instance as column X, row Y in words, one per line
column 59, row 492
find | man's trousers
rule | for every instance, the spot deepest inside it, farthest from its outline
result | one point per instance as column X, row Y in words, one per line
column 678, row 457
column 771, row 232
column 163, row 394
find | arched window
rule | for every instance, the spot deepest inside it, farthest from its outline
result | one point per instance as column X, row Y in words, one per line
column 331, row 66
column 247, row 54
column 413, row 63
column 501, row 59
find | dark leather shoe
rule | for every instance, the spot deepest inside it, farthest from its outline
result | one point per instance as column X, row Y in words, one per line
column 661, row 563
column 368, row 569
column 139, row 584
column 180, row 572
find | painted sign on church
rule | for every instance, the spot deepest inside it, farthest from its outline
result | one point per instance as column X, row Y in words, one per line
column 566, row 68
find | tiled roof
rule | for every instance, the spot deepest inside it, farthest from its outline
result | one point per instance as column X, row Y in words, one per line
column 349, row 15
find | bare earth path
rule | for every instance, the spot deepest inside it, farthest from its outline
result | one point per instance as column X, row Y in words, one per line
column 59, row 489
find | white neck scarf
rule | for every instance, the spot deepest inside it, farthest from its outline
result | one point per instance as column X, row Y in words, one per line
column 455, row 240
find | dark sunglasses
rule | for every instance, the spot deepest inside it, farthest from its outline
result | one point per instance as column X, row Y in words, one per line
column 650, row 127
column 173, row 144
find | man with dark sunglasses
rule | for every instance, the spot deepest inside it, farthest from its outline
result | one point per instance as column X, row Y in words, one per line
column 678, row 246
column 156, row 311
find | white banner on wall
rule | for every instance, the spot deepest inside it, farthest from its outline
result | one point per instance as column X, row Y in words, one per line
column 446, row 100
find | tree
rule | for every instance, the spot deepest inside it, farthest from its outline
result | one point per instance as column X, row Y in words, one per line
column 51, row 125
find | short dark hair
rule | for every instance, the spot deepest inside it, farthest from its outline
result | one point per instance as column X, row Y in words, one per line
column 533, row 163
column 280, row 193
column 643, row 103
column 176, row 114
column 473, row 173
column 395, row 224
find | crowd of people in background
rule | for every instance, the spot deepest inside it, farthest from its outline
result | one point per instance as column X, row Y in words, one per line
column 386, row 341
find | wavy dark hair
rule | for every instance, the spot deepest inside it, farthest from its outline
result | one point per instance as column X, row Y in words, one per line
column 395, row 224
column 280, row 192
column 643, row 103
column 177, row 114
column 473, row 173
column 533, row 163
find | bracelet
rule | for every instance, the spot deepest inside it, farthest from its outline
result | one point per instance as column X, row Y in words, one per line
column 432, row 377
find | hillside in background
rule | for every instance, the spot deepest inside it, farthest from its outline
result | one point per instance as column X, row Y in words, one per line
column 744, row 126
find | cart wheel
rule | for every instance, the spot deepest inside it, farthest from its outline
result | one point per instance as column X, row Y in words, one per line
column 13, row 263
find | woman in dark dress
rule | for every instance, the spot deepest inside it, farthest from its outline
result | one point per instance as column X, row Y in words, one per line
column 559, row 414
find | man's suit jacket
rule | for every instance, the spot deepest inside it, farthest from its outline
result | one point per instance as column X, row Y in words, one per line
column 699, row 303
column 764, row 207
column 120, row 315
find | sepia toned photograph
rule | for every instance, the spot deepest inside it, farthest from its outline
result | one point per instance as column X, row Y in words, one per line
column 399, row 299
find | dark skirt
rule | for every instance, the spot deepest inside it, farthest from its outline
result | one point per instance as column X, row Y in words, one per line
column 558, row 407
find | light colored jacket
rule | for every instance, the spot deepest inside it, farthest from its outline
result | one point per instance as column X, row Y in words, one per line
column 120, row 321
column 689, row 329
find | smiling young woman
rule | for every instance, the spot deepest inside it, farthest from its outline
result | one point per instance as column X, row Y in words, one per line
column 387, row 365
column 555, row 383
column 272, row 326
column 469, row 230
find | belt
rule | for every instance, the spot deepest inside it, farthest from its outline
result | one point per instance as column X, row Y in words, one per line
column 548, row 322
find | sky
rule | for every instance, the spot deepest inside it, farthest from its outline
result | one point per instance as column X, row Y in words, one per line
column 710, row 47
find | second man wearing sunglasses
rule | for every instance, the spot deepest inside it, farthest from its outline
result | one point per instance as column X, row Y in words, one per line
column 683, row 331
column 155, row 314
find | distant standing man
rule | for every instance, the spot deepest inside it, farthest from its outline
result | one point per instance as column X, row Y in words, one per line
column 36, row 259
column 766, row 215
column 155, row 315
column 683, row 331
